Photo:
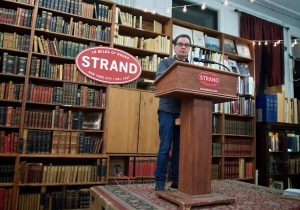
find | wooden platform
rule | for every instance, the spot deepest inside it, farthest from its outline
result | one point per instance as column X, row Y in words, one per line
column 186, row 202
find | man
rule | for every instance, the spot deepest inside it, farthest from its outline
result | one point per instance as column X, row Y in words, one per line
column 168, row 111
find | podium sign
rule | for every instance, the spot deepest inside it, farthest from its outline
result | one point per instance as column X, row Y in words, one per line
column 198, row 88
column 184, row 80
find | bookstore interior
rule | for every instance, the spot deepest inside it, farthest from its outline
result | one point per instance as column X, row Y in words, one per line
column 79, row 98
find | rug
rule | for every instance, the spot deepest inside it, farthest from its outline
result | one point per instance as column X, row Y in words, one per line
column 143, row 197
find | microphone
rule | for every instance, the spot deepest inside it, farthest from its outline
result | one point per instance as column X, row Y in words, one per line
column 211, row 62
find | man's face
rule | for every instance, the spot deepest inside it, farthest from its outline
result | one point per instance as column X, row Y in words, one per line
column 182, row 48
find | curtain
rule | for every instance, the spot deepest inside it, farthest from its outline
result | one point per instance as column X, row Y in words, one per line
column 269, row 60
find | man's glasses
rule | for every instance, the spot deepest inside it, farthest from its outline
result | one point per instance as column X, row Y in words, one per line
column 182, row 44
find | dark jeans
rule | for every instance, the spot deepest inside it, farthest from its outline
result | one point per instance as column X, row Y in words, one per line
column 169, row 134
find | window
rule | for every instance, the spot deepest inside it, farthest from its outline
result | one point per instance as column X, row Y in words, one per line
column 207, row 18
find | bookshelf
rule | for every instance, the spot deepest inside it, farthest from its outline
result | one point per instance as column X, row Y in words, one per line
column 233, row 139
column 55, row 119
column 51, row 115
column 278, row 150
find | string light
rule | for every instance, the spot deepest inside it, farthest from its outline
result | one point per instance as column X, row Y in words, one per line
column 274, row 42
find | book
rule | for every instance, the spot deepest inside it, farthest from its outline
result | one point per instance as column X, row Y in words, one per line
column 243, row 69
column 157, row 27
column 212, row 43
column 177, row 30
column 243, row 49
column 198, row 38
column 229, row 46
column 232, row 65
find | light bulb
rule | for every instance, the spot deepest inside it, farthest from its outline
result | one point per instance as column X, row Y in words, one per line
column 203, row 6
column 266, row 42
column 252, row 1
column 225, row 2
column 184, row 9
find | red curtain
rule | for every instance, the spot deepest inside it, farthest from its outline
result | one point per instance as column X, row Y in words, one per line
column 269, row 60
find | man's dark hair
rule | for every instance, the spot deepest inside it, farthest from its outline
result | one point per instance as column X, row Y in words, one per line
column 179, row 36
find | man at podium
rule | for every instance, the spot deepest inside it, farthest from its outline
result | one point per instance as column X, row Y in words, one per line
column 168, row 111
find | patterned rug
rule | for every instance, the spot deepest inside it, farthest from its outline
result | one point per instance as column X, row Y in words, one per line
column 143, row 196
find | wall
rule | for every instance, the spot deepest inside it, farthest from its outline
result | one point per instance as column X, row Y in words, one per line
column 229, row 23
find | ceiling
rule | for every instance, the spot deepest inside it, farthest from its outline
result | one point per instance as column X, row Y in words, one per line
column 290, row 8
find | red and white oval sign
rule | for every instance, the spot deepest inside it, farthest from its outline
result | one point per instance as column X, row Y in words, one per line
column 108, row 65
column 209, row 79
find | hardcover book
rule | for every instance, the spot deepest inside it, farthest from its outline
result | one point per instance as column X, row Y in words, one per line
column 229, row 46
column 212, row 43
column 243, row 49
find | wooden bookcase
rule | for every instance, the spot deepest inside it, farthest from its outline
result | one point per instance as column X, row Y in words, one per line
column 233, row 140
column 44, row 98
column 278, row 154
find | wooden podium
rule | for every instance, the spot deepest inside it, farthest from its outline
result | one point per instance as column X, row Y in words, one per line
column 197, row 87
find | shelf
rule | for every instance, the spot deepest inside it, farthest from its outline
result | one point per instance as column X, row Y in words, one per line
column 13, row 155
column 59, row 184
column 6, row 184
column 9, row 127
column 91, row 108
column 139, row 52
column 62, row 36
column 58, row 129
column 78, row 17
column 18, row 4
column 55, row 81
column 21, row 52
column 71, row 156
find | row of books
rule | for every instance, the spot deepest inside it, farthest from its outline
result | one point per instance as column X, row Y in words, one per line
column 238, row 168
column 69, row 94
column 293, row 142
column 41, row 173
column 70, row 6
column 10, row 142
column 58, row 71
column 216, row 149
column 215, row 171
column 7, row 173
column 199, row 39
column 65, row 199
column 63, row 119
column 32, row 2
column 129, row 19
column 246, row 86
column 273, row 106
column 276, row 165
column 10, row 116
column 13, row 64
column 11, row 91
column 149, row 63
column 19, row 16
column 57, row 48
column 237, row 147
column 62, row 142
column 273, row 142
column 293, row 166
column 242, row 106
column 160, row 44
column 141, row 166
column 57, row 24
column 239, row 127
column 6, row 195
column 15, row 41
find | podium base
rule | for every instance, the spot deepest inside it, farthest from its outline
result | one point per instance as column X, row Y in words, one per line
column 186, row 201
